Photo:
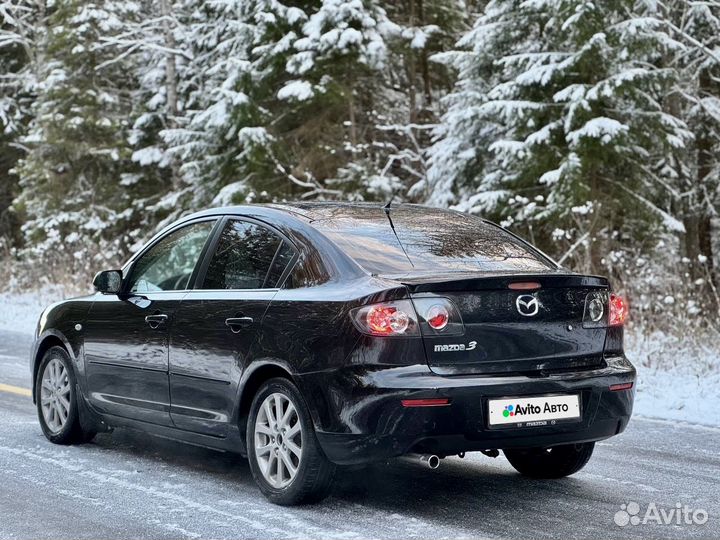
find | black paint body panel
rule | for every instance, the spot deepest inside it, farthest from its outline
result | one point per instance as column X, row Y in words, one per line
column 192, row 377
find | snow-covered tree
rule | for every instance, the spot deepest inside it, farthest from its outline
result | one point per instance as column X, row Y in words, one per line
column 555, row 118
column 18, row 30
column 73, row 175
column 284, row 101
column 692, row 174
column 412, row 88
column 154, row 43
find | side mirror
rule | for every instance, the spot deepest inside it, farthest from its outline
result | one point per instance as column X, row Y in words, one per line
column 108, row 281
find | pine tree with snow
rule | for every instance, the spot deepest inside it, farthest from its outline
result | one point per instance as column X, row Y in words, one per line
column 18, row 29
column 409, row 100
column 287, row 101
column 285, row 98
column 554, row 120
column 220, row 138
column 72, row 175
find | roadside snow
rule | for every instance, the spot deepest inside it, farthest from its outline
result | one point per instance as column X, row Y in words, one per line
column 677, row 379
column 686, row 397
column 20, row 312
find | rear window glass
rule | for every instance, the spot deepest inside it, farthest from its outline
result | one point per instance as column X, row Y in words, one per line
column 435, row 241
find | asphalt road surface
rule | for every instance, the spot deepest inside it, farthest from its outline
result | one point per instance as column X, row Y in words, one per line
column 128, row 485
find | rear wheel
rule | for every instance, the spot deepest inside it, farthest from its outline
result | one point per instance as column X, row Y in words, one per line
column 285, row 457
column 553, row 462
column 57, row 407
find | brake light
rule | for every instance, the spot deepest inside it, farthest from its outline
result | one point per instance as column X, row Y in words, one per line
column 431, row 315
column 620, row 387
column 618, row 310
column 386, row 319
column 524, row 286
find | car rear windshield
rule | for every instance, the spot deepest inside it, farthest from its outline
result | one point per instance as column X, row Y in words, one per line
column 433, row 241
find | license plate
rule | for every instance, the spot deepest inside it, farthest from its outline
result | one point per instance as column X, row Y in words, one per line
column 533, row 411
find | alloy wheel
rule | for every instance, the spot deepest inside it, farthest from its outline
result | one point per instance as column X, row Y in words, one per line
column 55, row 395
column 278, row 440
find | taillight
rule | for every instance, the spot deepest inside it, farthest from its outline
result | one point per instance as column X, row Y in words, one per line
column 604, row 309
column 387, row 319
column 438, row 316
column 618, row 310
column 430, row 314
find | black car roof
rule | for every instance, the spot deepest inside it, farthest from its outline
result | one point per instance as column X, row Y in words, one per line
column 316, row 211
column 321, row 211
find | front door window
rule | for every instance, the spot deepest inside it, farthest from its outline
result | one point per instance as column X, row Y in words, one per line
column 169, row 264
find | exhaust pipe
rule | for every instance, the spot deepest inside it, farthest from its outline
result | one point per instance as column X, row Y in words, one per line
column 431, row 460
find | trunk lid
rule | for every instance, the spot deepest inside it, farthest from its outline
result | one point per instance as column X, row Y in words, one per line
column 514, row 331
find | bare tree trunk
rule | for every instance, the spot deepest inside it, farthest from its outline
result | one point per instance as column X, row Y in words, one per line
column 691, row 239
column 427, row 89
column 594, row 255
column 697, row 240
column 704, row 170
column 170, row 66
column 171, row 94
column 411, row 68
column 351, row 113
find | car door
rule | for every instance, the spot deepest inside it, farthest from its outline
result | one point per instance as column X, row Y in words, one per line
column 217, row 323
column 126, row 335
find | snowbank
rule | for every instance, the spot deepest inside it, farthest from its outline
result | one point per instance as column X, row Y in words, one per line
column 20, row 312
column 677, row 379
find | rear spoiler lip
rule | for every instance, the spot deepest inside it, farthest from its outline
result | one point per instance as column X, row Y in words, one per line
column 496, row 281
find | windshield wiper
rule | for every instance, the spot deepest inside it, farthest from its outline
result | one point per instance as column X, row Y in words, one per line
column 386, row 209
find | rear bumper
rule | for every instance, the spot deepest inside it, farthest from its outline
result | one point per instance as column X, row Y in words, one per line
column 359, row 416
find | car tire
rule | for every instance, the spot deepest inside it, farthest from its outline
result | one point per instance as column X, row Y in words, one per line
column 272, row 457
column 553, row 462
column 56, row 399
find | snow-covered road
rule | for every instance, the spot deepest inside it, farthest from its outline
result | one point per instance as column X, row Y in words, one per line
column 128, row 485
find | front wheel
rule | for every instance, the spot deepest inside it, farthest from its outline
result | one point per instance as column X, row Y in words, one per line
column 285, row 457
column 56, row 400
column 553, row 462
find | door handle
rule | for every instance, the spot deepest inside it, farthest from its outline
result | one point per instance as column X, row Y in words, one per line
column 156, row 320
column 238, row 323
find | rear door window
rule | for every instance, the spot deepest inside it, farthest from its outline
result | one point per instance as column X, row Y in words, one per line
column 248, row 256
column 283, row 257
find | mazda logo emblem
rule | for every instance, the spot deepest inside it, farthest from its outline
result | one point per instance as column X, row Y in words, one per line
column 527, row 305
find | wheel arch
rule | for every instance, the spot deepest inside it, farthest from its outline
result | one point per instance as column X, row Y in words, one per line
column 251, row 383
column 50, row 340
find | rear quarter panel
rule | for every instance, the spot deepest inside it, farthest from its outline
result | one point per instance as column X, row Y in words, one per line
column 310, row 330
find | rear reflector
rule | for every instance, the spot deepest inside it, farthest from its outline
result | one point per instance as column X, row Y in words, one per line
column 623, row 386
column 434, row 402
column 524, row 286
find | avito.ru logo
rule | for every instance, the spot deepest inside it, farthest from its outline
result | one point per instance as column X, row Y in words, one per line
column 680, row 515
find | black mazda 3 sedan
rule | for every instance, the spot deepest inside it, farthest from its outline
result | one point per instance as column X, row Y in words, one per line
column 307, row 336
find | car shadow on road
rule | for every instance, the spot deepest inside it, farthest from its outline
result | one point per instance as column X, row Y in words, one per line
column 478, row 491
